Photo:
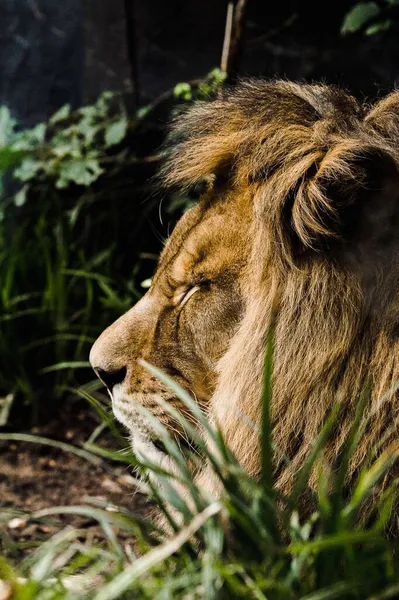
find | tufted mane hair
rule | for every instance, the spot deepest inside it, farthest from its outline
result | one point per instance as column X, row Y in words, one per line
column 321, row 171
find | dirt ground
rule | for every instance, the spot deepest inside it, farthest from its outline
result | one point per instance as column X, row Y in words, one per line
column 34, row 477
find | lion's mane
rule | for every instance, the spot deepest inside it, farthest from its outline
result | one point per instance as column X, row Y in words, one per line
column 322, row 173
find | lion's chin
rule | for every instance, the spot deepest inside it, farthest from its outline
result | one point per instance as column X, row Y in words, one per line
column 148, row 451
column 144, row 443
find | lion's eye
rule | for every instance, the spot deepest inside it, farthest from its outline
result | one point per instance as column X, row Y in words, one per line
column 182, row 296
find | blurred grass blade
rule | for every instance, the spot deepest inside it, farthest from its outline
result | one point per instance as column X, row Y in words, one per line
column 104, row 415
column 391, row 592
column 340, row 540
column 302, row 478
column 35, row 439
column 266, row 436
column 182, row 395
column 124, row 581
column 338, row 590
column 177, row 456
column 86, row 275
column 369, row 477
column 44, row 557
column 112, row 455
column 66, row 365
column 5, row 406
column 103, row 517
column 355, row 433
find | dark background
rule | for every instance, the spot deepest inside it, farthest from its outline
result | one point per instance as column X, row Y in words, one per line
column 57, row 52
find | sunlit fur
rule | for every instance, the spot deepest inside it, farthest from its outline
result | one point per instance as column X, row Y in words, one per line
column 322, row 174
column 311, row 178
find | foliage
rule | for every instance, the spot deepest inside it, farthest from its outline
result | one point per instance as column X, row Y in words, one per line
column 251, row 543
column 72, row 225
column 69, row 149
column 205, row 88
column 370, row 17
column 55, row 256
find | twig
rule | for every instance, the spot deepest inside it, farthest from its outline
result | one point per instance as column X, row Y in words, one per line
column 133, row 160
column 132, row 50
column 169, row 94
column 232, row 44
column 227, row 37
column 273, row 32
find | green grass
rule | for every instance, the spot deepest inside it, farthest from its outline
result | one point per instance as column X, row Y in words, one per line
column 252, row 542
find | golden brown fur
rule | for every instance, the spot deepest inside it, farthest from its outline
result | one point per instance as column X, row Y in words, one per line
column 305, row 182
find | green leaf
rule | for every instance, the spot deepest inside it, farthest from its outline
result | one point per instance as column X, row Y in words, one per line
column 103, row 103
column 30, row 138
column 116, row 131
column 81, row 171
column 62, row 146
column 359, row 16
column 88, row 129
column 217, row 76
column 61, row 114
column 89, row 112
column 378, row 27
column 339, row 540
column 7, row 125
column 9, row 158
column 183, row 91
column 28, row 169
column 20, row 197
column 143, row 111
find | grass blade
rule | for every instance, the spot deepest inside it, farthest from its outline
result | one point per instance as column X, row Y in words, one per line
column 125, row 580
column 35, row 439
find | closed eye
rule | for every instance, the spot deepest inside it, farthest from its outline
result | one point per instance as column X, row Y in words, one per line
column 183, row 297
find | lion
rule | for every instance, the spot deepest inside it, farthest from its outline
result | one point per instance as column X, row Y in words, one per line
column 298, row 224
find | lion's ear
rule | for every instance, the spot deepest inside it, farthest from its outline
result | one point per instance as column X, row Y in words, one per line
column 318, row 202
column 384, row 116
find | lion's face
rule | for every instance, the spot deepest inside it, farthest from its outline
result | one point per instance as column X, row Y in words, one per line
column 184, row 322
column 302, row 233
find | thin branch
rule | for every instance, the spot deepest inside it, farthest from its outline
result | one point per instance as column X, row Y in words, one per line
column 232, row 44
column 268, row 35
column 169, row 94
column 227, row 37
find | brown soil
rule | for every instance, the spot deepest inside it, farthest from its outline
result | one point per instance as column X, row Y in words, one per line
column 34, row 477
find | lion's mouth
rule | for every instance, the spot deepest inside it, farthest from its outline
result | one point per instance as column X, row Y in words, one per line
column 187, row 447
column 143, row 437
column 160, row 446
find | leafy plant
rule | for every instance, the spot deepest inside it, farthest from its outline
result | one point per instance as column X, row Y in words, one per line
column 371, row 17
column 203, row 89
column 56, row 265
column 69, row 149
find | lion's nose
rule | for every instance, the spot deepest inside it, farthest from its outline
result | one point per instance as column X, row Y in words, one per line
column 110, row 378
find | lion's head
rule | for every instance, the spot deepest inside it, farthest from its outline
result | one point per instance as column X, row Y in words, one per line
column 185, row 321
column 300, row 221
